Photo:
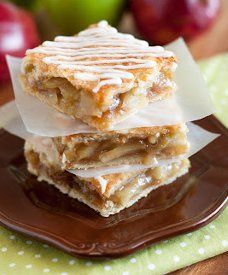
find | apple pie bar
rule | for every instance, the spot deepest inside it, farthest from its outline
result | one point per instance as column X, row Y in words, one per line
column 100, row 76
column 106, row 194
column 133, row 146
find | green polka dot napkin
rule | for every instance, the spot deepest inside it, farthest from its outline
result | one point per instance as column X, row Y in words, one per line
column 21, row 255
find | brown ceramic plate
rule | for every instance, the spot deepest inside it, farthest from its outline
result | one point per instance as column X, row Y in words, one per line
column 40, row 211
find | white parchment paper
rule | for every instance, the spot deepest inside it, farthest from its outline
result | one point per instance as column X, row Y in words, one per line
column 11, row 121
column 191, row 102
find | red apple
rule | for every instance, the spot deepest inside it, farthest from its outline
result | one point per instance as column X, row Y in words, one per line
column 17, row 34
column 161, row 21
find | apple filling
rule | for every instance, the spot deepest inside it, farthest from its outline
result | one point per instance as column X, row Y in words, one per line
column 85, row 190
column 131, row 188
column 152, row 177
column 75, row 154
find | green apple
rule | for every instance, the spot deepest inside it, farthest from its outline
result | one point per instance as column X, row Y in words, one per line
column 70, row 16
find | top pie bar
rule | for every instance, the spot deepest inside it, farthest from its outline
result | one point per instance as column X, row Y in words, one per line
column 100, row 75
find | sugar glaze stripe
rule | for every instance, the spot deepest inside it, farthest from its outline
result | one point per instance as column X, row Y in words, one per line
column 100, row 54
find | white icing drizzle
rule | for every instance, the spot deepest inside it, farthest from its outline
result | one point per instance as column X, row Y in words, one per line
column 111, row 81
column 100, row 54
column 102, row 23
column 103, row 183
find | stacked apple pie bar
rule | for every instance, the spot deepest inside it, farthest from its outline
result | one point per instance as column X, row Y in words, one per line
column 102, row 77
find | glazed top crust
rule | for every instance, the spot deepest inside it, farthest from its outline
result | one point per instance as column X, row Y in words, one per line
column 99, row 59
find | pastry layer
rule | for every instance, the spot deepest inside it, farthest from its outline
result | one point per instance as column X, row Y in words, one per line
column 134, row 146
column 108, row 194
column 100, row 76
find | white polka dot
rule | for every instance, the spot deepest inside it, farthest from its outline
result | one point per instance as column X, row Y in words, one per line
column 45, row 245
column 201, row 250
column 37, row 256
column 183, row 244
column 176, row 258
column 46, row 270
column 207, row 237
column 28, row 242
column 72, row 262
column 125, row 273
column 224, row 242
column 64, row 273
column 12, row 237
column 21, row 252
column 189, row 234
column 223, row 102
column 133, row 260
column 12, row 265
column 107, row 267
column 4, row 249
column 54, row 260
column 151, row 266
column 88, row 263
column 205, row 77
column 158, row 251
column 212, row 226
column 28, row 266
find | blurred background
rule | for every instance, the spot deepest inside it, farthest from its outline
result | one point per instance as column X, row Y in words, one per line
column 26, row 23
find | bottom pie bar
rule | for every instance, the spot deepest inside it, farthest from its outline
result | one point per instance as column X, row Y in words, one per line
column 108, row 194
